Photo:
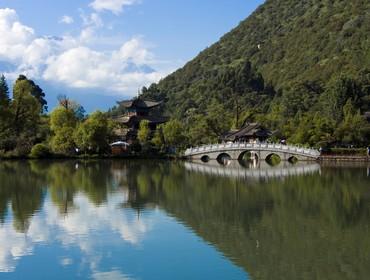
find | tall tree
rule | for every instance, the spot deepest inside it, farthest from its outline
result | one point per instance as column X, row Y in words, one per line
column 36, row 92
column 5, row 116
column 26, row 117
column 4, row 93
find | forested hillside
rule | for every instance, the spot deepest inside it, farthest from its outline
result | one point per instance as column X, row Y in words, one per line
column 301, row 67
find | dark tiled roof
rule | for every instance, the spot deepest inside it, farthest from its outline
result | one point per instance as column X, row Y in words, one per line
column 249, row 130
column 139, row 103
column 152, row 119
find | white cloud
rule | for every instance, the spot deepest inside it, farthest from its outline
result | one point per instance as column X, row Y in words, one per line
column 92, row 20
column 15, row 37
column 73, row 61
column 115, row 6
column 82, row 67
column 66, row 19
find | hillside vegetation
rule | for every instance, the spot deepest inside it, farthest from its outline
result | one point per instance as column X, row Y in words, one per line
column 301, row 67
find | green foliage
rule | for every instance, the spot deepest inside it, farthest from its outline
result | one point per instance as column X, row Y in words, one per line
column 143, row 134
column 62, row 117
column 36, row 92
column 5, row 113
column 158, row 139
column 173, row 133
column 63, row 122
column 40, row 151
column 94, row 134
column 4, row 93
column 24, row 119
column 62, row 142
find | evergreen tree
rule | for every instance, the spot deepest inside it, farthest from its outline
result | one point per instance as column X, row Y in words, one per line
column 5, row 116
column 4, row 93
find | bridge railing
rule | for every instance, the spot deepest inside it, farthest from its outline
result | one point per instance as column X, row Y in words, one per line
column 252, row 146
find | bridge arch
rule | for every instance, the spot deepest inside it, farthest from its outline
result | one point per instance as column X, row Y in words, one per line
column 224, row 159
column 293, row 159
column 205, row 158
column 273, row 159
column 247, row 155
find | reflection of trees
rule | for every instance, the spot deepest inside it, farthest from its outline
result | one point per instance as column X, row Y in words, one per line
column 67, row 178
column 309, row 227
column 23, row 185
column 22, row 190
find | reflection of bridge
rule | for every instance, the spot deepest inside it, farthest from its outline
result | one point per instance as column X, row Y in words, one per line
column 282, row 170
column 262, row 151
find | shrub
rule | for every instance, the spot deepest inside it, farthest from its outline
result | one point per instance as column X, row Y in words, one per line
column 40, row 151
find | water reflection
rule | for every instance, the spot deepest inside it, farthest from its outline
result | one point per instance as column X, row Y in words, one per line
column 261, row 171
column 120, row 215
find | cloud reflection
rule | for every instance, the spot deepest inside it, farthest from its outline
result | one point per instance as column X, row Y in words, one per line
column 80, row 227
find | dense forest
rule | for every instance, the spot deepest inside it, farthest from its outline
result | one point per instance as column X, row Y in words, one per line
column 302, row 68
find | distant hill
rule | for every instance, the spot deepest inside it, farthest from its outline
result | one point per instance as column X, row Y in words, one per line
column 288, row 61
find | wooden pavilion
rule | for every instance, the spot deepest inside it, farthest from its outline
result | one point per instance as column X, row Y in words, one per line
column 138, row 110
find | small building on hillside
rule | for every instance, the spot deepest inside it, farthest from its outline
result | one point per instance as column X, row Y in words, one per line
column 249, row 133
column 137, row 110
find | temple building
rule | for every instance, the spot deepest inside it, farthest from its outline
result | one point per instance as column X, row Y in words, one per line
column 249, row 133
column 137, row 110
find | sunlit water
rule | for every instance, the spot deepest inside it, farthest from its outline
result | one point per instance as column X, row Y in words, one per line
column 162, row 220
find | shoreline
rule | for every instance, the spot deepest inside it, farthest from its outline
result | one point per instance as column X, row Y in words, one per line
column 341, row 158
column 323, row 158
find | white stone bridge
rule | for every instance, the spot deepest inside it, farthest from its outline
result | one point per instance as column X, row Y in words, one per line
column 263, row 151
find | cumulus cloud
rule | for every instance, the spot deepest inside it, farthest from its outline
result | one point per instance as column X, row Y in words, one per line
column 72, row 60
column 66, row 19
column 15, row 37
column 115, row 6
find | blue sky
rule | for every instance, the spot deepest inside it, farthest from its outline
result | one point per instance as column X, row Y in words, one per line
column 100, row 51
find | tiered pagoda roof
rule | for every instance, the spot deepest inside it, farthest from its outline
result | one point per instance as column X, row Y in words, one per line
column 139, row 103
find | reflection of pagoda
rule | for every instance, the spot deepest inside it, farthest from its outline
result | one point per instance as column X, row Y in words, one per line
column 138, row 110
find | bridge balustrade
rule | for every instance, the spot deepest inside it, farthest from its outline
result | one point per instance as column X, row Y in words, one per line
column 251, row 146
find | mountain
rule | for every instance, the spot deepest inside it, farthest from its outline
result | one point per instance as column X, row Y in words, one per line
column 292, row 63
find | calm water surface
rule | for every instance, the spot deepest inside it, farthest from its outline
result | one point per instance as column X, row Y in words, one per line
column 160, row 220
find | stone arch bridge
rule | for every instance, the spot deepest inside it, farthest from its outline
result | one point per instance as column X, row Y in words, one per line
column 236, row 151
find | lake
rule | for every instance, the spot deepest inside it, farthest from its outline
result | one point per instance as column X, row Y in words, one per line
column 180, row 220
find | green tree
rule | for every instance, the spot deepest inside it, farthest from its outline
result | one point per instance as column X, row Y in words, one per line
column 4, row 93
column 95, row 133
column 26, row 117
column 62, row 142
column 144, row 133
column 5, row 116
column 173, row 133
column 36, row 92
column 63, row 123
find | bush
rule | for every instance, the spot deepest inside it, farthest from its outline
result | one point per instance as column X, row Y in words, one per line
column 40, row 151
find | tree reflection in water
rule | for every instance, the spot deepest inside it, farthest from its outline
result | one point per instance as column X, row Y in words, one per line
column 312, row 226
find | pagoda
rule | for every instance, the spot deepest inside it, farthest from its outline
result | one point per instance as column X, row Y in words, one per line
column 138, row 110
